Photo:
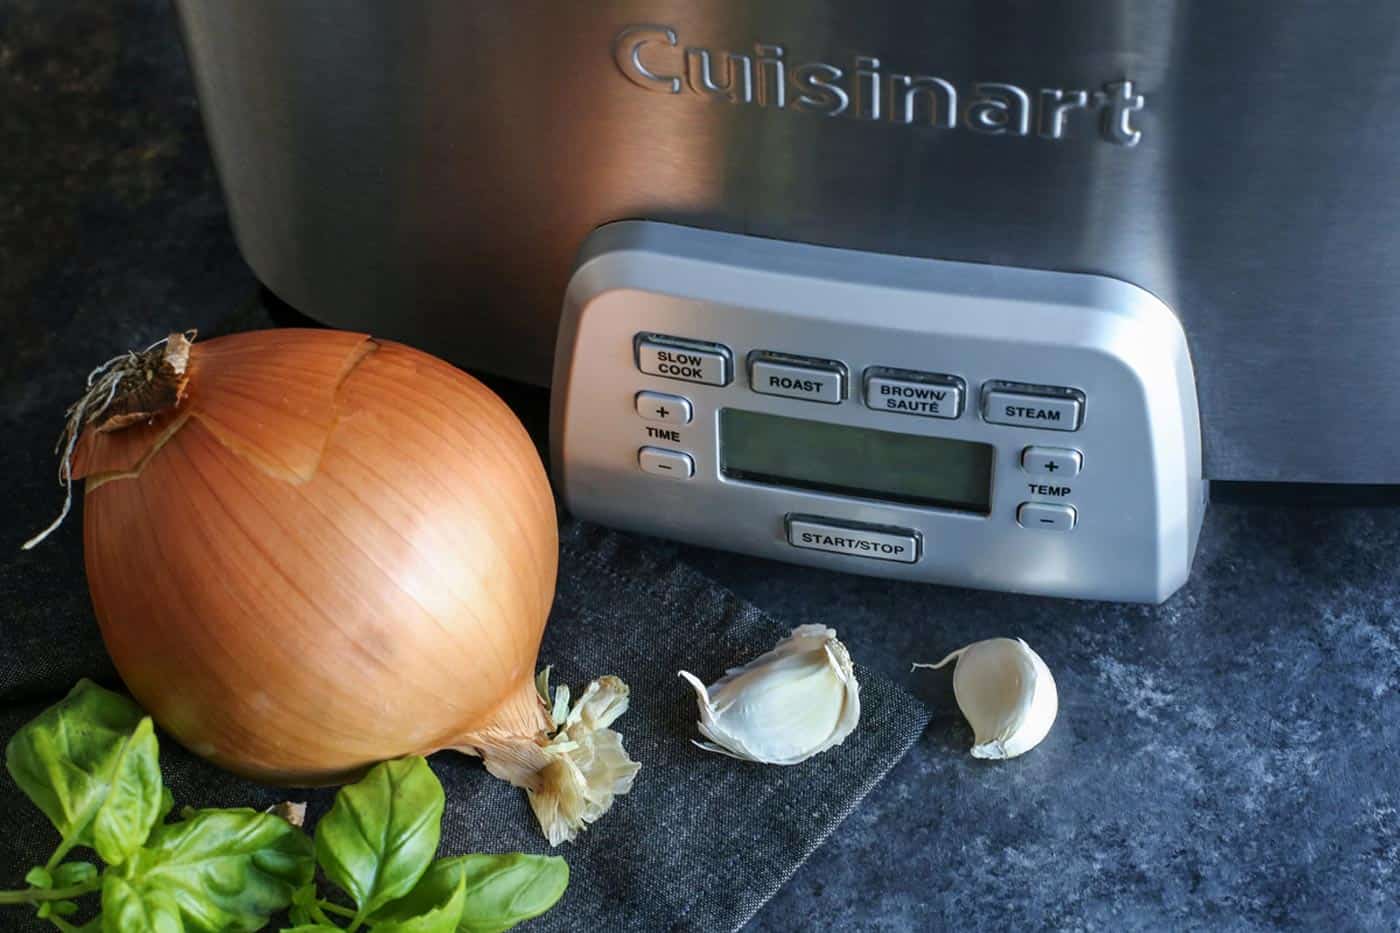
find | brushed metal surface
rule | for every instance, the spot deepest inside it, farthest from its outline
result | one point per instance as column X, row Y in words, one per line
column 427, row 170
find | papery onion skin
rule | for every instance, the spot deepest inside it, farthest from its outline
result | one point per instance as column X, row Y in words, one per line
column 345, row 552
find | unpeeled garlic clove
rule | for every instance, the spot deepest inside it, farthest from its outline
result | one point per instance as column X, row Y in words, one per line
column 784, row 706
column 1006, row 693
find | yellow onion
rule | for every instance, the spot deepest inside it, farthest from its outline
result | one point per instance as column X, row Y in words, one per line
column 319, row 551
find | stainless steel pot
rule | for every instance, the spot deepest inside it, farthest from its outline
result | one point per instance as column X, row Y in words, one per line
column 427, row 169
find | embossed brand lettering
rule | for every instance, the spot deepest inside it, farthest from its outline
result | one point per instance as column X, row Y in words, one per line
column 652, row 57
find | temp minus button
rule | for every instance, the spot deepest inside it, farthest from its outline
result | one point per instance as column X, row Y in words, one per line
column 874, row 541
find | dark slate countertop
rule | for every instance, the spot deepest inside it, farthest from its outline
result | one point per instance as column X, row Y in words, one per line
column 1226, row 761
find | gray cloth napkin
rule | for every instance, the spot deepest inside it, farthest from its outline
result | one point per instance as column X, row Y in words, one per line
column 700, row 843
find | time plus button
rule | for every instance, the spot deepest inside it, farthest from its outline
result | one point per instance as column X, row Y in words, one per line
column 658, row 406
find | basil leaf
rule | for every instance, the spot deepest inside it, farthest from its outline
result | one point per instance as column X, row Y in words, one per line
column 38, row 877
column 312, row 928
column 431, row 907
column 226, row 870
column 501, row 890
column 381, row 833
column 126, row 908
column 133, row 804
column 65, row 759
column 71, row 873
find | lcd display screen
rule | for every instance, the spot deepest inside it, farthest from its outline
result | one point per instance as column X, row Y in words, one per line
column 851, row 461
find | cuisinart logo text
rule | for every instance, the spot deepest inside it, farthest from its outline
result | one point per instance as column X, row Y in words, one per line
column 651, row 57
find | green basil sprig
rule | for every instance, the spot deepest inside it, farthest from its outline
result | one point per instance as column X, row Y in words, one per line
column 91, row 764
column 377, row 844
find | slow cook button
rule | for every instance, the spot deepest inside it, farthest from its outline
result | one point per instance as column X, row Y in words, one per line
column 905, row 392
column 687, row 360
column 878, row 542
column 797, row 377
column 1027, row 406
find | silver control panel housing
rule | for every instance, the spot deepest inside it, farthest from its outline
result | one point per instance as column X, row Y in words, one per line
column 1108, row 355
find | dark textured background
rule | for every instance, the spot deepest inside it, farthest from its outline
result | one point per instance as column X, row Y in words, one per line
column 1227, row 761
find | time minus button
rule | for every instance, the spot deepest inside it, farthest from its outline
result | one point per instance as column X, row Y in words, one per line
column 658, row 461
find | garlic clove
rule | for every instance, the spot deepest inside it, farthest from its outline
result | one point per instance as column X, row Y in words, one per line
column 784, row 706
column 1006, row 693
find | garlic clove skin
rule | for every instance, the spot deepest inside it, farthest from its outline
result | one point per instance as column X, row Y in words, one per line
column 784, row 706
column 1006, row 693
column 588, row 767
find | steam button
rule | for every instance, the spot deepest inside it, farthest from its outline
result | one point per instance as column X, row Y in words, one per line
column 1050, row 408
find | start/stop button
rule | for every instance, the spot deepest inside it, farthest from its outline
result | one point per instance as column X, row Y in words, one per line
column 857, row 540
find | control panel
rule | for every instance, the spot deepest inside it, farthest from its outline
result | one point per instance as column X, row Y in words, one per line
column 947, row 422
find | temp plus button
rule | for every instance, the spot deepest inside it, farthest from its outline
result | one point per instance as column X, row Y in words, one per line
column 878, row 542
column 1052, row 461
